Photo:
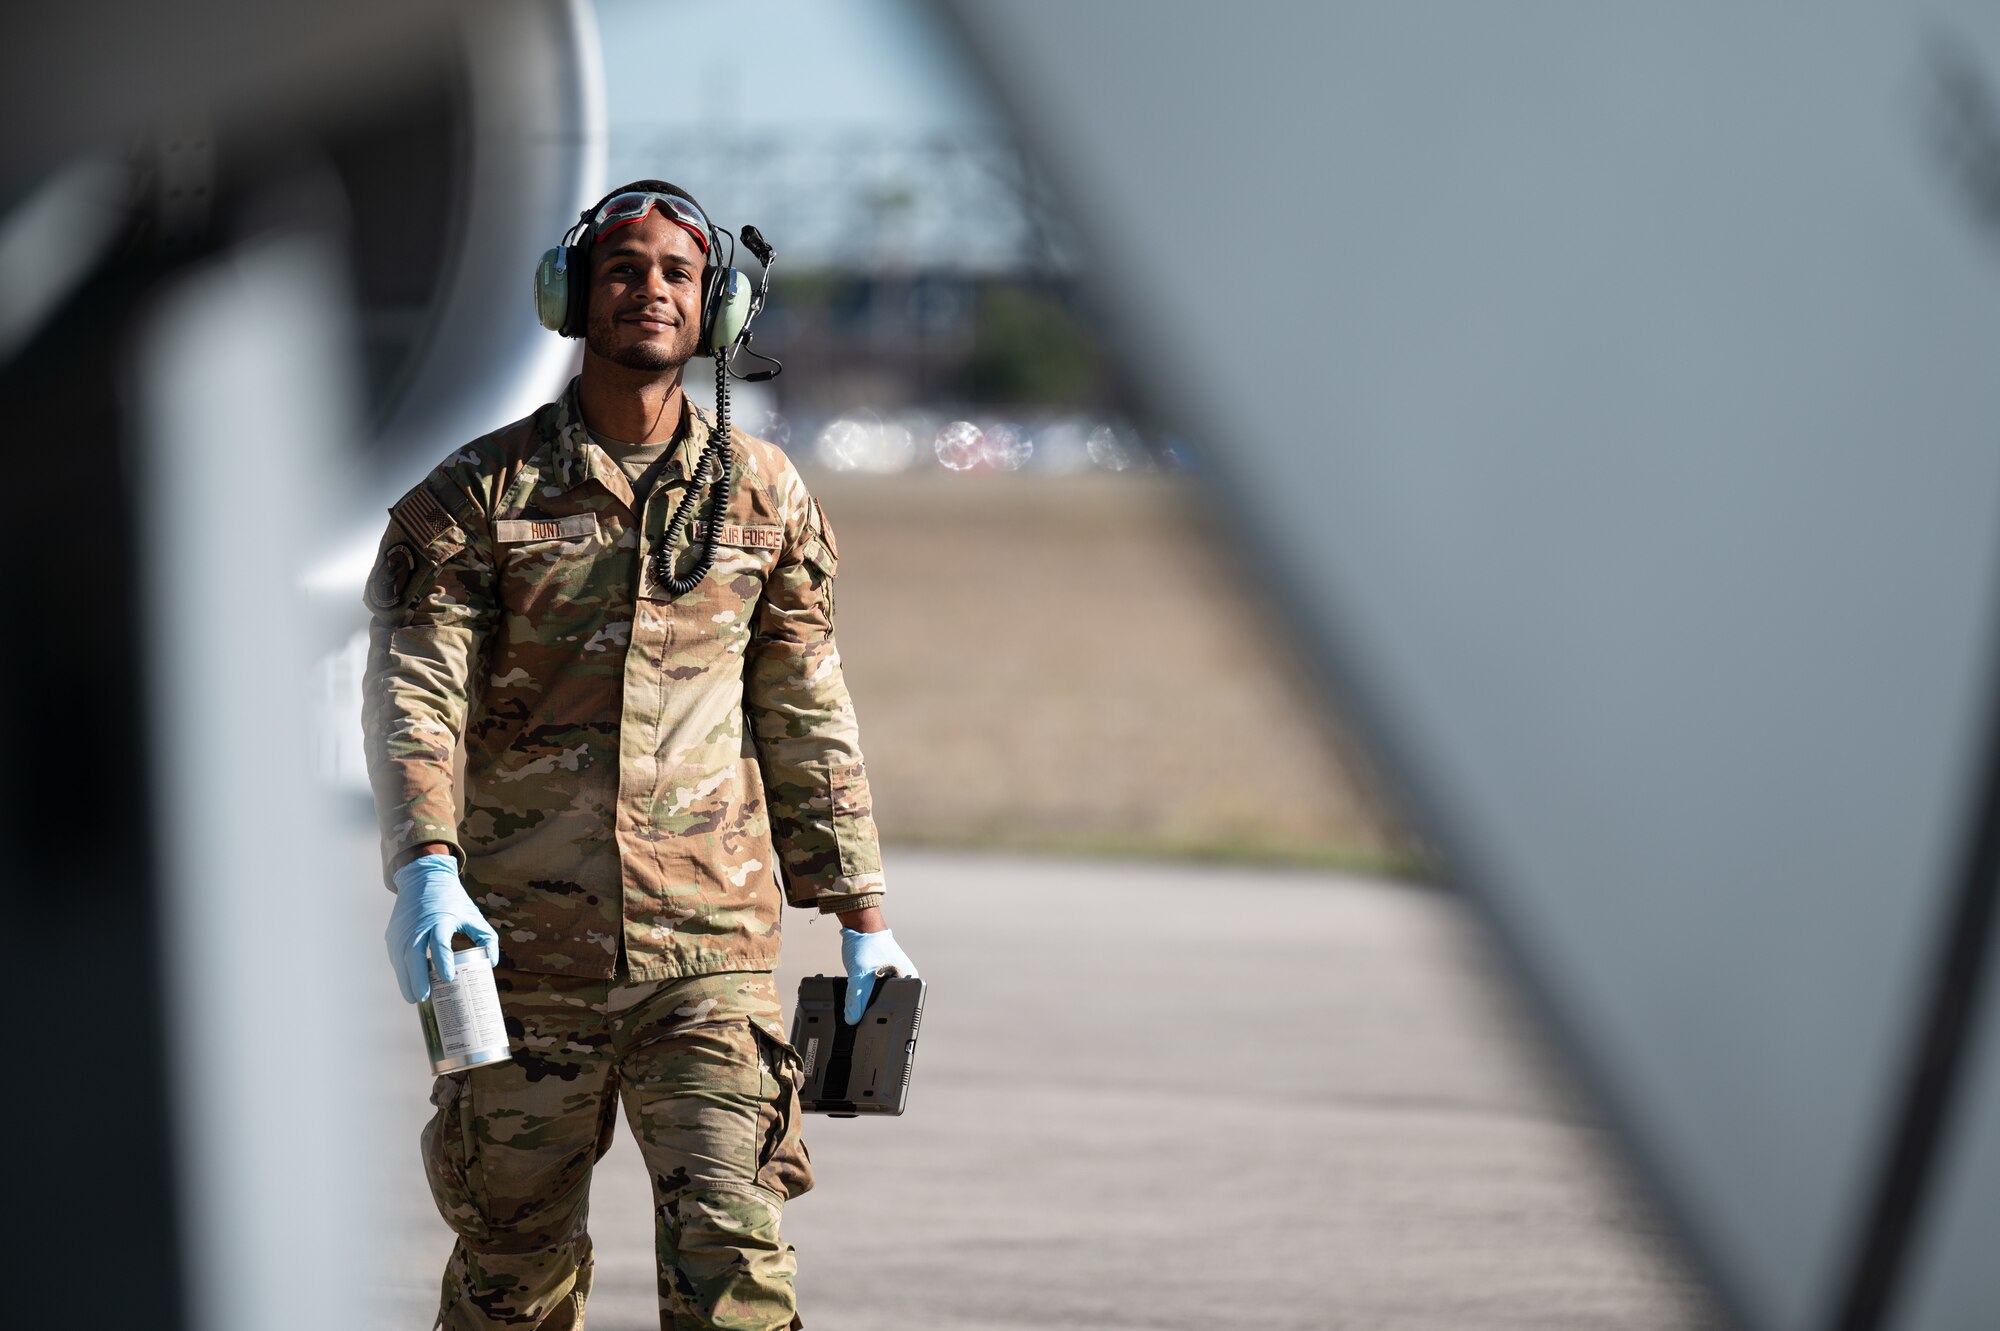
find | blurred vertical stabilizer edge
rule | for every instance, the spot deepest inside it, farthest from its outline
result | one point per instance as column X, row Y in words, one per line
column 268, row 1079
column 266, row 263
column 1619, row 419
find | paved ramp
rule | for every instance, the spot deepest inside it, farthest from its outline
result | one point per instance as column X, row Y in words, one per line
column 1159, row 1098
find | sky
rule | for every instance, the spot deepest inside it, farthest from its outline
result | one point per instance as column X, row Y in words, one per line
column 847, row 65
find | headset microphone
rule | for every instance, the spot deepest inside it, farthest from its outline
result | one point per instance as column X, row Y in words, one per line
column 753, row 240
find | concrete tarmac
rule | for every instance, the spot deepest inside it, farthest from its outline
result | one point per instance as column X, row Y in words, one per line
column 1154, row 1097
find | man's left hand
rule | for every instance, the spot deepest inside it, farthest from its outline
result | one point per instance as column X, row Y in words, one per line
column 863, row 955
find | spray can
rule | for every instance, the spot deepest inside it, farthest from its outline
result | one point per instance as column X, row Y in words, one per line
column 462, row 1023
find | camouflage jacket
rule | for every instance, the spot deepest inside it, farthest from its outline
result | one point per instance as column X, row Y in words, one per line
column 632, row 762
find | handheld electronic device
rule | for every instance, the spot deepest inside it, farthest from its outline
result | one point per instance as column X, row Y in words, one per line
column 860, row 1069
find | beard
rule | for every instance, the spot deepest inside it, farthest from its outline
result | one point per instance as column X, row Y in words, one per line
column 601, row 335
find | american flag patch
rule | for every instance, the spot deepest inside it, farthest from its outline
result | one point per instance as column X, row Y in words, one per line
column 420, row 515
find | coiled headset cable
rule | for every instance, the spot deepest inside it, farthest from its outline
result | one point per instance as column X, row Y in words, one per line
column 717, row 458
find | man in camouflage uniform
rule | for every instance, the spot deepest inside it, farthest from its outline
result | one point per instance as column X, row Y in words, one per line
column 637, row 768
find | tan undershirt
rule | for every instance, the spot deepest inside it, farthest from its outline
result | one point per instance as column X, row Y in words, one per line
column 634, row 459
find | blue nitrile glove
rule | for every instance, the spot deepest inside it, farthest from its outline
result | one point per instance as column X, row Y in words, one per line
column 863, row 955
column 431, row 906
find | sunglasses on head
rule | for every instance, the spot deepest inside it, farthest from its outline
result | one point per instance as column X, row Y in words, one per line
column 622, row 209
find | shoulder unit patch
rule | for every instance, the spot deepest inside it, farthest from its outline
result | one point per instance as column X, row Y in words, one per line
column 390, row 581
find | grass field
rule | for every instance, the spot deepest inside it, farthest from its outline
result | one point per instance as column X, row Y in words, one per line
column 1067, row 663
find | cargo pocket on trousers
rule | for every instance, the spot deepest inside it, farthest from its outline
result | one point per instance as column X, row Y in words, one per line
column 450, row 1160
column 783, row 1166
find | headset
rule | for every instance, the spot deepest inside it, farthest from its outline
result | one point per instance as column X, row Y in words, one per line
column 728, row 300
column 729, row 305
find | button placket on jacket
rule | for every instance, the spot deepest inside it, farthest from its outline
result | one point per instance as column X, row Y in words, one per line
column 637, row 770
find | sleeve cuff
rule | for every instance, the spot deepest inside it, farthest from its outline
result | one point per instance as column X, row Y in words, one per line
column 834, row 905
column 849, row 891
column 407, row 838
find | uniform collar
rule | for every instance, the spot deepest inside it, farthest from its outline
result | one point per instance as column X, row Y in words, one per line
column 578, row 457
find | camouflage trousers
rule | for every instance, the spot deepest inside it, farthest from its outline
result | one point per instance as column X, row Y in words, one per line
column 710, row 1087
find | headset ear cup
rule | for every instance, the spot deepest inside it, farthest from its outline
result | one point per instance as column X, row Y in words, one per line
column 727, row 312
column 575, row 321
column 552, row 290
column 711, row 300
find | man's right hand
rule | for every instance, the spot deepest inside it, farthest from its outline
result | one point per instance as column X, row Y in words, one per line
column 863, row 955
column 431, row 906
